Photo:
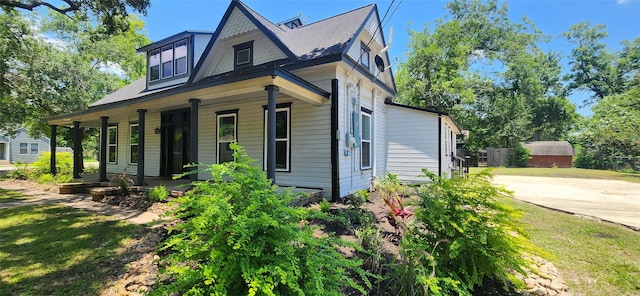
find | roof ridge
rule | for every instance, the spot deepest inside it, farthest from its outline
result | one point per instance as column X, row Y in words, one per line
column 337, row 15
column 259, row 15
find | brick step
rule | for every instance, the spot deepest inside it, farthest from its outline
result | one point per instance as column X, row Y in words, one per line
column 78, row 187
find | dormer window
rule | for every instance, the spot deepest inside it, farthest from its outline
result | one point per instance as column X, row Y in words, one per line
column 168, row 61
column 243, row 54
column 364, row 55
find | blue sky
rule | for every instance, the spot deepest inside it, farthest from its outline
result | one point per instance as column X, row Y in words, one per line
column 553, row 17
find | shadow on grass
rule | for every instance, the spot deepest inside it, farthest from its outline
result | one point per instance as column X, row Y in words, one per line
column 53, row 250
column 10, row 195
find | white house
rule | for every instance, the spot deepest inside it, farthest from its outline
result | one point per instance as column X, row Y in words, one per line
column 311, row 103
column 21, row 147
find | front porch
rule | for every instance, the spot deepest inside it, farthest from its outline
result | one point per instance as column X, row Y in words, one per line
column 176, row 187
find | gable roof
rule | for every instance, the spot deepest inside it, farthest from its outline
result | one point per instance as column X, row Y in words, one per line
column 557, row 148
column 322, row 38
column 327, row 37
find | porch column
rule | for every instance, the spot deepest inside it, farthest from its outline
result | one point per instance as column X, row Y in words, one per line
column 77, row 156
column 103, row 149
column 193, row 146
column 52, row 145
column 141, row 126
column 271, row 132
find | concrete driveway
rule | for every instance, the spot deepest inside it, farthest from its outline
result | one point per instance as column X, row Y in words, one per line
column 611, row 200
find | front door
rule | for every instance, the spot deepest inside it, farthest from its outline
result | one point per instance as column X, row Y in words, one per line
column 175, row 142
column 3, row 151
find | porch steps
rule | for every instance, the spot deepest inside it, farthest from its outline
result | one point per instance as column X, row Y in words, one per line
column 77, row 187
column 4, row 162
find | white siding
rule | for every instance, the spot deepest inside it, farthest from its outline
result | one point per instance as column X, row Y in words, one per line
column 23, row 137
column 412, row 143
column 310, row 145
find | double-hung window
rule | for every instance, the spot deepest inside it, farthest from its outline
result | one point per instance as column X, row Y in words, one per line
column 34, row 148
column 112, row 144
column 133, row 143
column 227, row 133
column 168, row 61
column 364, row 55
column 365, row 148
column 283, row 137
column 24, row 148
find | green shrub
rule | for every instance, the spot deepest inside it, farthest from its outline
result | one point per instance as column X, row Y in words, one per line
column 58, row 179
column 64, row 164
column 325, row 206
column 45, row 179
column 238, row 236
column 159, row 193
column 20, row 172
column 462, row 234
column 358, row 198
column 520, row 156
column 123, row 182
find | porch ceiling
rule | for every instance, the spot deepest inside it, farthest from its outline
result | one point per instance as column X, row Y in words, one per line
column 208, row 91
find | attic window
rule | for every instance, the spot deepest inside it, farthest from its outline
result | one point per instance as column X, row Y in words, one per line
column 364, row 55
column 243, row 54
column 168, row 61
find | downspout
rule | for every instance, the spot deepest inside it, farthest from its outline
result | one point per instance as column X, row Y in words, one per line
column 439, row 145
column 335, row 164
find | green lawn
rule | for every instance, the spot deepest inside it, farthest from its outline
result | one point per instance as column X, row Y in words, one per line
column 594, row 258
column 53, row 250
column 8, row 196
column 561, row 173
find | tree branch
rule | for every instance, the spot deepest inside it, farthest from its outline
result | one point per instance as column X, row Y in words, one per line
column 34, row 4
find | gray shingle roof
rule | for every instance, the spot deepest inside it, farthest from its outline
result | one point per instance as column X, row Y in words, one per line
column 322, row 38
column 134, row 90
column 556, row 148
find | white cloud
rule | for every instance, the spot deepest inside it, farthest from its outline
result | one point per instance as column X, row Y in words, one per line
column 623, row 1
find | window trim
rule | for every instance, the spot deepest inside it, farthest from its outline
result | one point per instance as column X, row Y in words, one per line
column 31, row 148
column 130, row 158
column 220, row 114
column 109, row 128
column 279, row 107
column 241, row 47
column 364, row 112
column 160, row 66
column 365, row 49
column 26, row 149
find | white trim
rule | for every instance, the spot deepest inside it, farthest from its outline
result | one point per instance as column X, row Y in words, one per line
column 235, row 132
column 129, row 160
column 287, row 167
column 31, row 148
column 20, row 148
column 109, row 128
column 364, row 114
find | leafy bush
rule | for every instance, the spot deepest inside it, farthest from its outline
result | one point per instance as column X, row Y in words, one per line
column 520, row 156
column 358, row 199
column 159, row 193
column 123, row 182
column 45, row 179
column 238, row 236
column 463, row 234
column 20, row 172
column 325, row 206
column 64, row 164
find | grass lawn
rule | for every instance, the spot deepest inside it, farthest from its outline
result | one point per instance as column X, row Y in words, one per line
column 53, row 250
column 593, row 258
column 8, row 195
column 561, row 173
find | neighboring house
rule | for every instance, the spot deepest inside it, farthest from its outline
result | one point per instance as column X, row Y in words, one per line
column 546, row 154
column 21, row 147
column 311, row 103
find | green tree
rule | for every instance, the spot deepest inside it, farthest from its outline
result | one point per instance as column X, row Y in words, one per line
column 490, row 74
column 595, row 68
column 112, row 14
